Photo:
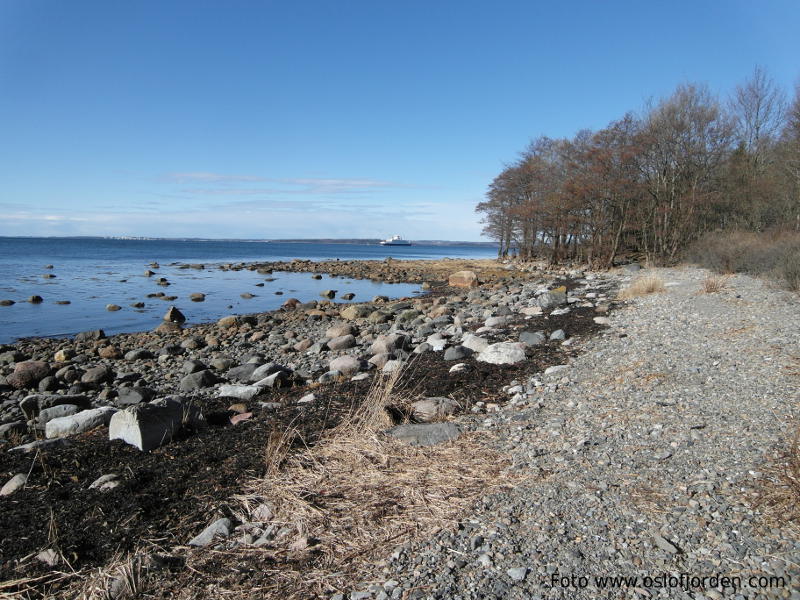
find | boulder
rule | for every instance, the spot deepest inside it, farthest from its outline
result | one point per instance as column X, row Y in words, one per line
column 532, row 338
column 173, row 315
column 148, row 426
column 229, row 321
column 464, row 279
column 429, row 409
column 28, row 374
column 456, row 353
column 341, row 329
column 79, row 422
column 474, row 342
column 355, row 311
column 133, row 395
column 342, row 342
column 503, row 353
column 197, row 380
column 552, row 299
column 425, row 434
column 97, row 375
column 55, row 412
column 347, row 365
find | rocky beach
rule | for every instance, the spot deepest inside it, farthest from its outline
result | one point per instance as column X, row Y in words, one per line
column 523, row 424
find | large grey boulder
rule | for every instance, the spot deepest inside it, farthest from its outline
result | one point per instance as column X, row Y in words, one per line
column 503, row 353
column 148, row 426
column 79, row 422
column 425, row 434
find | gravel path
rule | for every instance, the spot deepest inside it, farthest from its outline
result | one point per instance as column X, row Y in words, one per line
column 642, row 456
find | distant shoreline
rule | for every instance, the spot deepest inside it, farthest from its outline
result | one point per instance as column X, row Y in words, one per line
column 265, row 241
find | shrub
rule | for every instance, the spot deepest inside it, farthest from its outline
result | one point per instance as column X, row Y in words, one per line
column 643, row 286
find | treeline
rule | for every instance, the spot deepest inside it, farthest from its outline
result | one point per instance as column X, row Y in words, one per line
column 651, row 184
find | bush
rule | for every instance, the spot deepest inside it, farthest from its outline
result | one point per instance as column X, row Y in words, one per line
column 773, row 255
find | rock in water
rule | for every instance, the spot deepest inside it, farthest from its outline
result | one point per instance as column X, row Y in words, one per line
column 174, row 315
column 465, row 279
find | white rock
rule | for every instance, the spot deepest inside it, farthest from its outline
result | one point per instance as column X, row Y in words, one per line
column 555, row 369
column 474, row 342
column 149, row 425
column 459, row 368
column 602, row 320
column 240, row 392
column 307, row 398
column 503, row 353
column 13, row 484
column 79, row 422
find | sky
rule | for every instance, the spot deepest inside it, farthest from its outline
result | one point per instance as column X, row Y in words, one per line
column 335, row 119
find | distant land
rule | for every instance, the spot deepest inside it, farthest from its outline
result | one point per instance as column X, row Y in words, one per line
column 282, row 241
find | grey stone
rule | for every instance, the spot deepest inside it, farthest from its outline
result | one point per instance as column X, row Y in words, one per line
column 240, row 392
column 219, row 528
column 532, row 338
column 342, row 342
column 425, row 434
column 456, row 353
column 148, row 426
column 503, row 353
column 551, row 299
column 429, row 409
column 474, row 342
column 517, row 573
column 346, row 365
column 13, row 484
column 139, row 354
column 79, row 422
column 128, row 396
column 558, row 335
column 196, row 381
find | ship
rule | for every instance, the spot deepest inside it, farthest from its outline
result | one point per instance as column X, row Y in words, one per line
column 395, row 240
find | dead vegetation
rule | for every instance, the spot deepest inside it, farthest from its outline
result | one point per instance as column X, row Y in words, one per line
column 714, row 283
column 649, row 284
column 351, row 497
column 778, row 492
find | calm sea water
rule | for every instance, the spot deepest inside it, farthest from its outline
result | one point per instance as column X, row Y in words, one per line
column 92, row 273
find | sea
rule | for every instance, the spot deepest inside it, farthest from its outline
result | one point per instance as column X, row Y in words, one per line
column 91, row 273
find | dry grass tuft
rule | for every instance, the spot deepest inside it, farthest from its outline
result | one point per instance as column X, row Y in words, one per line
column 779, row 493
column 714, row 284
column 650, row 284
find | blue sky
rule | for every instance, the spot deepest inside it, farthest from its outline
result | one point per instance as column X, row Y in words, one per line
column 330, row 119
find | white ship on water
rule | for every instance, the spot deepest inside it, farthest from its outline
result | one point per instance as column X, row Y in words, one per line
column 395, row 240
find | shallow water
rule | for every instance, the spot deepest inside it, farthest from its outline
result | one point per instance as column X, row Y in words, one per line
column 92, row 273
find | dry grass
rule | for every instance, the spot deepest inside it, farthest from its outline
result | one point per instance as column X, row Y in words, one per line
column 778, row 495
column 355, row 494
column 714, row 283
column 649, row 284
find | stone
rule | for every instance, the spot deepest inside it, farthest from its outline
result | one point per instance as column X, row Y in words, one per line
column 531, row 311
column 32, row 405
column 665, row 544
column 517, row 573
column 265, row 371
column 239, row 417
column 247, row 295
column 456, row 353
column 552, row 299
column 307, row 398
column 197, row 380
column 497, row 321
column 64, row 355
column 55, row 412
column 425, row 434
column 348, row 296
column 148, row 426
column 464, row 279
column 28, row 374
column 14, row 428
column 48, row 384
column 79, row 422
column 229, row 321
column 219, row 528
column 346, row 365
column 555, row 369
column 173, row 315
column 328, row 294
column 342, row 342
column 35, row 299
column 290, row 303
column 459, row 368
column 240, row 392
column 276, row 380
column 105, row 482
column 341, row 329
column 129, row 396
column 113, row 307
column 97, row 375
column 242, row 373
column 90, row 336
column 197, row 297
column 503, row 353
column 110, row 352
column 558, row 335
column 429, row 409
column 532, row 338
column 602, row 320
column 474, row 342
column 355, row 311
column 7, row 302
column 49, row 557
column 139, row 354
column 390, row 366
column 39, row 445
column 13, row 484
